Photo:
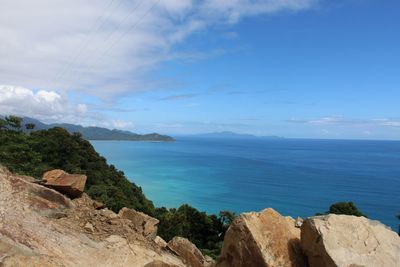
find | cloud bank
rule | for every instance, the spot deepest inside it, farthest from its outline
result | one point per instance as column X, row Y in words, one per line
column 43, row 104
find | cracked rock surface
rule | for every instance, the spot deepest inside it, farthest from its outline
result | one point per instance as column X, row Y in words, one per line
column 342, row 241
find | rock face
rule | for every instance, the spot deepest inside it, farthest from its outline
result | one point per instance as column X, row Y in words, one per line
column 161, row 242
column 69, row 184
column 41, row 227
column 188, row 252
column 143, row 223
column 343, row 241
column 262, row 240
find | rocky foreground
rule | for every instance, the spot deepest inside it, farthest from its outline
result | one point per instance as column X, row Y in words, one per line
column 39, row 226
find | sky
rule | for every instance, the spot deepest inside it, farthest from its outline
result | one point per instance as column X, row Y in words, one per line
column 292, row 68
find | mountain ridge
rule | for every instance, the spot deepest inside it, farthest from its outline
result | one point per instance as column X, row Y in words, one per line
column 97, row 133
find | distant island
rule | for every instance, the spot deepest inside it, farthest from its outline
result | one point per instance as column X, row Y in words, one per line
column 97, row 133
column 233, row 135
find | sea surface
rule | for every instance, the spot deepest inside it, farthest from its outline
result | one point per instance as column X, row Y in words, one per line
column 297, row 177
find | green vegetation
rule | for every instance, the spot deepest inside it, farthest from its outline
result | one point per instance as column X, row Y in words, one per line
column 94, row 133
column 347, row 208
column 39, row 151
column 398, row 217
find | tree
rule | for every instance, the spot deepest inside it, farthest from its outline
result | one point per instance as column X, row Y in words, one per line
column 398, row 217
column 55, row 148
column 30, row 126
column 3, row 124
column 14, row 122
column 226, row 217
column 347, row 208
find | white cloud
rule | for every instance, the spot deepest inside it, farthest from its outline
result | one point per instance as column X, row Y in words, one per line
column 120, row 124
column 388, row 122
column 107, row 50
column 49, row 106
column 46, row 105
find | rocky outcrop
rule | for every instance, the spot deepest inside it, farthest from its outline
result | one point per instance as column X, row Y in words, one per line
column 262, row 239
column 343, row 241
column 41, row 227
column 161, row 242
column 141, row 222
column 190, row 254
column 69, row 184
column 159, row 264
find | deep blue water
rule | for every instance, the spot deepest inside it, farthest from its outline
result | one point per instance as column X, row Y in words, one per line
column 296, row 177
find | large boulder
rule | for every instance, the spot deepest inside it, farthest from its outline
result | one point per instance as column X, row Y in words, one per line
column 187, row 251
column 343, row 241
column 69, row 184
column 141, row 222
column 262, row 239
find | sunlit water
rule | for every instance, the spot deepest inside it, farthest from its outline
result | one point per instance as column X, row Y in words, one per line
column 296, row 177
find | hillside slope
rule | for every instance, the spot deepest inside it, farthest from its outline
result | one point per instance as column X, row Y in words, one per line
column 41, row 227
column 98, row 133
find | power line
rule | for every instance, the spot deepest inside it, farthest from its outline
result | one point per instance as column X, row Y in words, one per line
column 106, row 51
column 102, row 19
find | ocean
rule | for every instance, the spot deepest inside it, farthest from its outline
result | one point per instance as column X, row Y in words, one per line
column 296, row 177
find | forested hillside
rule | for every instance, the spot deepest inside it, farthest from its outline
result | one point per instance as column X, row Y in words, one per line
column 38, row 151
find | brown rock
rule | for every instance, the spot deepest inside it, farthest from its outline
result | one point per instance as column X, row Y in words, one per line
column 89, row 227
column 187, row 251
column 98, row 205
column 108, row 213
column 161, row 242
column 209, row 261
column 53, row 175
column 262, row 239
column 20, row 260
column 69, row 184
column 142, row 223
column 27, row 238
column 342, row 240
column 159, row 264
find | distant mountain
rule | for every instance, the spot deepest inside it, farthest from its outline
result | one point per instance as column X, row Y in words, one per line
column 98, row 133
column 233, row 135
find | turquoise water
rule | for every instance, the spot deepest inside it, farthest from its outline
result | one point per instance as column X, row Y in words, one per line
column 296, row 177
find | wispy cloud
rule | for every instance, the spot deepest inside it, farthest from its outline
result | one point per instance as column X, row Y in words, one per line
column 178, row 97
column 339, row 120
column 108, row 48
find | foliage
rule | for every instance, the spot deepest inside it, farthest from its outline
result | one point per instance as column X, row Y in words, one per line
column 30, row 126
column 3, row 123
column 205, row 231
column 227, row 217
column 346, row 208
column 14, row 122
column 94, row 133
column 33, row 154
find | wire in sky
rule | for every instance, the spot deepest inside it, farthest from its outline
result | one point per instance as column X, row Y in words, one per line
column 102, row 19
column 108, row 49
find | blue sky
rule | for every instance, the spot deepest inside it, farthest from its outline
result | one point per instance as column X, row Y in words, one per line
column 310, row 69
